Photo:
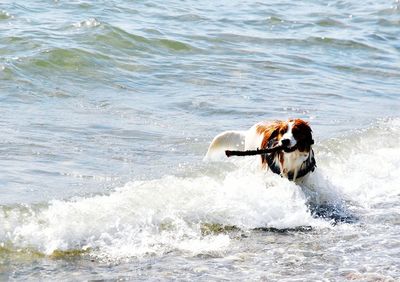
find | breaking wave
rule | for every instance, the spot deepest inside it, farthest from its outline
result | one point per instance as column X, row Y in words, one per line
column 203, row 214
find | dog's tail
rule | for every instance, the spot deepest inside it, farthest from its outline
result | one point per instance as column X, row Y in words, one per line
column 228, row 140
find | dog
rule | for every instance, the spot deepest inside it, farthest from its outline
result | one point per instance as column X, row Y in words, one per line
column 294, row 160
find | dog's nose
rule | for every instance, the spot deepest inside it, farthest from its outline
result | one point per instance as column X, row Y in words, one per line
column 285, row 142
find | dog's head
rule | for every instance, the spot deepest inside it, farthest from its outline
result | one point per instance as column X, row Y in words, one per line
column 295, row 134
column 295, row 137
column 291, row 134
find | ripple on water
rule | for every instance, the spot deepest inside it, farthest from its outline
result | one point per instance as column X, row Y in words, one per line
column 123, row 40
column 329, row 22
column 67, row 59
column 92, row 22
column 341, row 43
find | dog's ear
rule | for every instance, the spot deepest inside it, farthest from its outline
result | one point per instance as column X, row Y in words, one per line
column 274, row 134
column 270, row 138
column 270, row 133
column 303, row 134
column 305, row 143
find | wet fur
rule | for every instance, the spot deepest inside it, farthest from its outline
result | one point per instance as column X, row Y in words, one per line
column 291, row 165
column 288, row 164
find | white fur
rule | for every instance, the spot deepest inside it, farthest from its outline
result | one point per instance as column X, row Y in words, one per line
column 292, row 162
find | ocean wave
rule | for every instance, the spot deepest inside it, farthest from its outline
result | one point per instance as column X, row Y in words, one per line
column 203, row 214
column 104, row 46
column 154, row 217
column 365, row 166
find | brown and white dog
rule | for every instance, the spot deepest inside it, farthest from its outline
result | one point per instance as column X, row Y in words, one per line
column 294, row 161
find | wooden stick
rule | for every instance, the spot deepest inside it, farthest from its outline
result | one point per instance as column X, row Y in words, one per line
column 230, row 153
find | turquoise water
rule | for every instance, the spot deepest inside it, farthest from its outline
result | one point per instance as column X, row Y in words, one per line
column 108, row 107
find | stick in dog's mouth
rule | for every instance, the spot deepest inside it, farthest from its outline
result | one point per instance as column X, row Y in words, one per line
column 230, row 153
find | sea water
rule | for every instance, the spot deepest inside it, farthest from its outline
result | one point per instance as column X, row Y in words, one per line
column 107, row 110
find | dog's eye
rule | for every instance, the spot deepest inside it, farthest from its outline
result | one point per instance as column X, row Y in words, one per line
column 282, row 131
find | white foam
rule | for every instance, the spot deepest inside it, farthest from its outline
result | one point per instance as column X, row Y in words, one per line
column 162, row 215
column 365, row 168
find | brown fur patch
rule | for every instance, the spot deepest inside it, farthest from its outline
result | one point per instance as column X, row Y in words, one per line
column 303, row 134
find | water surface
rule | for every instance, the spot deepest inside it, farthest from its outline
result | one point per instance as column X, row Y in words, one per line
column 108, row 109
